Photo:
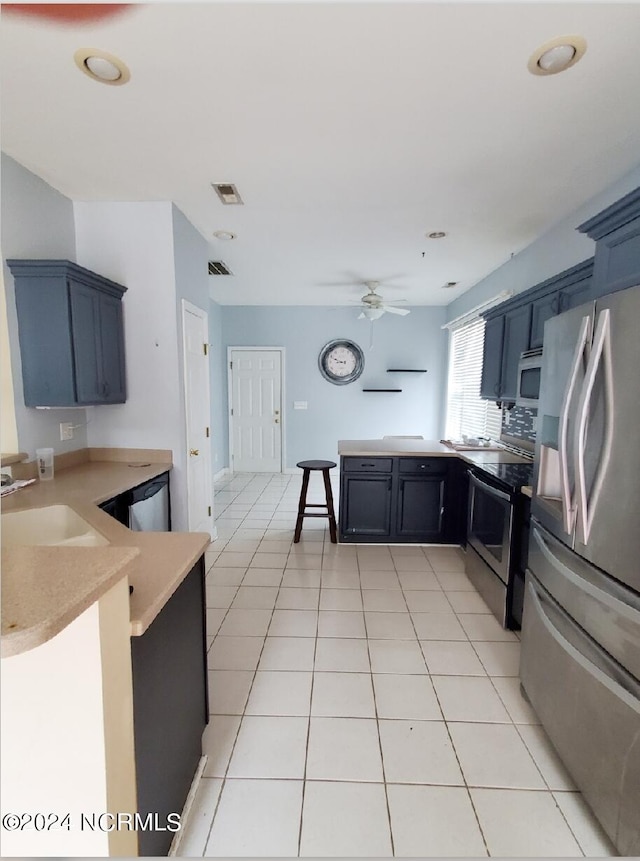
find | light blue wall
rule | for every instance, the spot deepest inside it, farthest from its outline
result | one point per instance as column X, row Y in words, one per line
column 559, row 248
column 218, row 381
column 37, row 222
column 346, row 412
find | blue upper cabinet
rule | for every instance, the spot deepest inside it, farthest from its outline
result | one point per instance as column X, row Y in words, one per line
column 567, row 290
column 616, row 231
column 71, row 334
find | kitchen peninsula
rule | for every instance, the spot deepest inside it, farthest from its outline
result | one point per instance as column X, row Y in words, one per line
column 105, row 690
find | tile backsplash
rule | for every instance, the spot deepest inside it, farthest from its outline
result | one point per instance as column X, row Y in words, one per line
column 518, row 422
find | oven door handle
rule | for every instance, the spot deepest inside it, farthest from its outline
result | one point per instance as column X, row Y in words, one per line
column 489, row 488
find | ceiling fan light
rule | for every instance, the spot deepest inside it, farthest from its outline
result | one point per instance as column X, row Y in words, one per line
column 373, row 313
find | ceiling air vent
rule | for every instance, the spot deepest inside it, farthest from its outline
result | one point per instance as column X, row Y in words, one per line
column 217, row 267
column 227, row 192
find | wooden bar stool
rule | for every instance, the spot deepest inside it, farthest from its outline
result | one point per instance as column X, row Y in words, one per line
column 324, row 466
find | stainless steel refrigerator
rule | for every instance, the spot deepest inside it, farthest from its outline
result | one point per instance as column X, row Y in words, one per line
column 580, row 663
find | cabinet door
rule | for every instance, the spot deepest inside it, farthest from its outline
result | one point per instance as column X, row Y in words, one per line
column 490, row 383
column 365, row 505
column 113, row 382
column 517, row 326
column 420, row 508
column 170, row 706
column 85, row 327
column 576, row 294
column 542, row 309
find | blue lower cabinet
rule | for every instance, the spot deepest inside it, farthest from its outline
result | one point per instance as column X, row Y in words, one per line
column 71, row 332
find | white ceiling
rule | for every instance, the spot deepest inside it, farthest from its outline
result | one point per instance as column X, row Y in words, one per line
column 350, row 130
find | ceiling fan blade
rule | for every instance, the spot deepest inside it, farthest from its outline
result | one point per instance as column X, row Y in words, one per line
column 361, row 316
column 402, row 311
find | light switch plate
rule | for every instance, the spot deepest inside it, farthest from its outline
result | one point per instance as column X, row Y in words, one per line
column 66, row 430
column 299, row 405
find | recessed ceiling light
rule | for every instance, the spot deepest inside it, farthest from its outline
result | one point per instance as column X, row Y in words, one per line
column 437, row 234
column 102, row 67
column 556, row 55
column 449, row 285
column 224, row 234
column 228, row 193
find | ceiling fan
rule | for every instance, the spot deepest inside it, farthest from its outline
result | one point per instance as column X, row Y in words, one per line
column 374, row 305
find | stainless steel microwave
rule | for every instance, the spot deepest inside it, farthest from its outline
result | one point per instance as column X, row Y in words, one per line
column 529, row 374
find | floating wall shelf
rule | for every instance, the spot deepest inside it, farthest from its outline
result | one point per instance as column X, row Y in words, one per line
column 382, row 390
column 406, row 370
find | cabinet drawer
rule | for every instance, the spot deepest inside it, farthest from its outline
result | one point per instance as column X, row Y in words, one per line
column 423, row 465
column 367, row 464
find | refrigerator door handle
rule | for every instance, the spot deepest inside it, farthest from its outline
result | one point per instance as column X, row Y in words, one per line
column 568, row 505
column 600, row 354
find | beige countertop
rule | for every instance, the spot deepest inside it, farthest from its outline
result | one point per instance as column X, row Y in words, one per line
column 7, row 459
column 421, row 448
column 45, row 588
column 527, row 490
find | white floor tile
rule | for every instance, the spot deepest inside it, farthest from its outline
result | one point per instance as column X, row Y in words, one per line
column 494, row 755
column 536, row 827
column 225, row 576
column 229, row 559
column 293, row 623
column 345, row 820
column 467, row 602
column 433, row 822
column 270, row 747
column 511, row 695
column 344, row 749
column 235, row 653
column 384, row 600
column 586, row 829
column 336, row 579
column 454, row 581
column 308, row 562
column 297, row 578
column 405, row 697
column 469, row 698
column 262, row 577
column 342, row 655
column 499, row 659
column 438, row 626
column 269, row 560
column 420, row 580
column 257, row 818
column 553, row 771
column 479, row 626
column 451, row 658
column 255, row 598
column 214, row 621
column 418, row 752
column 297, row 598
column 341, row 623
column 390, row 626
column 280, row 693
column 410, row 563
column 387, row 580
column 342, row 695
column 245, row 623
column 340, row 599
column 445, row 558
column 288, row 653
column 217, row 743
column 396, row 656
column 220, row 596
column 422, row 601
column 193, row 839
column 229, row 691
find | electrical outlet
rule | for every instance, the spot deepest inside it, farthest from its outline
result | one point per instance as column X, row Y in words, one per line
column 66, row 430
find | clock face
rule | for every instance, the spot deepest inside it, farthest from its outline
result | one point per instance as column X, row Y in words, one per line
column 341, row 362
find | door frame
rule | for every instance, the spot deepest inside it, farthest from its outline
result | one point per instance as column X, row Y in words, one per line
column 202, row 314
column 280, row 350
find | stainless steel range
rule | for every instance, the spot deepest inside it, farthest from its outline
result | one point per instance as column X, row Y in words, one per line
column 493, row 534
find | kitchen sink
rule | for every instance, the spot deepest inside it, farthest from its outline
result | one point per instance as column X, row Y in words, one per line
column 53, row 525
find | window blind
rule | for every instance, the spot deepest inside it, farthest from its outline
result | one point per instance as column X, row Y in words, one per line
column 467, row 412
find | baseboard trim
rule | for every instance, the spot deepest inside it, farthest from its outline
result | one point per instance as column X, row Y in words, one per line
column 174, row 849
column 221, row 473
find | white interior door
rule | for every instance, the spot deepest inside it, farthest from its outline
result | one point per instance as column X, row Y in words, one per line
column 195, row 328
column 256, row 410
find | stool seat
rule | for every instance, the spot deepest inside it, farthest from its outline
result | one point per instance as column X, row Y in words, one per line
column 316, row 464
column 307, row 466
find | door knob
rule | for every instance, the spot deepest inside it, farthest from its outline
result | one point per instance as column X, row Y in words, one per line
column 194, row 452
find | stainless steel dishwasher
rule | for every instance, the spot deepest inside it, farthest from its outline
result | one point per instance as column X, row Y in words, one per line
column 149, row 506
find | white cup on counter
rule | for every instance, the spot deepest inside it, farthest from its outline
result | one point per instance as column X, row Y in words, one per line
column 44, row 459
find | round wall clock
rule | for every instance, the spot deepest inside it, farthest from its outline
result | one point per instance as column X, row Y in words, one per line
column 341, row 361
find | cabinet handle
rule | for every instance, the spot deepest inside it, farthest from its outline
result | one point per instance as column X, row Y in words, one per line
column 367, row 464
